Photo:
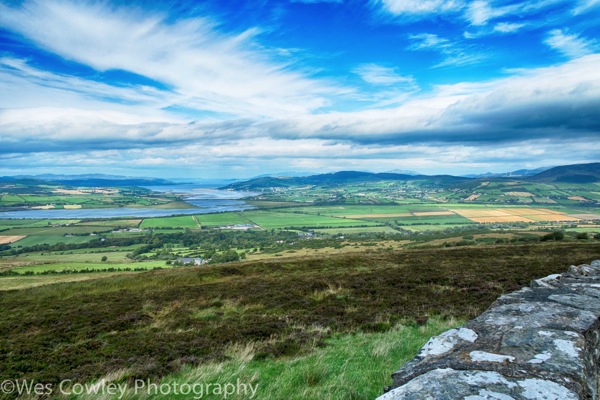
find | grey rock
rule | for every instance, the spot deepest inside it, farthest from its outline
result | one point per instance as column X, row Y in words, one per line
column 475, row 384
column 540, row 342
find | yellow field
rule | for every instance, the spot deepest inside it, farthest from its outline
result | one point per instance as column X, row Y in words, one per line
column 492, row 215
column 586, row 216
column 46, row 207
column 577, row 198
column 555, row 218
column 520, row 194
column 508, row 218
column 531, row 211
column 72, row 206
column 71, row 191
column 10, row 239
column 481, row 212
column 473, row 197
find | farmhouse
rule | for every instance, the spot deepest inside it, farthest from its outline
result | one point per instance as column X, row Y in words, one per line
column 195, row 261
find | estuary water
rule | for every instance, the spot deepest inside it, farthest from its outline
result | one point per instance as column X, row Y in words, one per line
column 207, row 200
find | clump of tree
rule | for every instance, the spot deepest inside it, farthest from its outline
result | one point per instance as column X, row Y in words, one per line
column 227, row 256
column 555, row 236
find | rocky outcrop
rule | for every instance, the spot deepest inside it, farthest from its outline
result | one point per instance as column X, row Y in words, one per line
column 541, row 342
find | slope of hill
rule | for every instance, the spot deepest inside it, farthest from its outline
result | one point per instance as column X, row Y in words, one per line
column 341, row 178
column 521, row 173
column 577, row 173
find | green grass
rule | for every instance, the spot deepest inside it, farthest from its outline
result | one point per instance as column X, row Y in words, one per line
column 26, row 282
column 96, row 266
column 221, row 219
column 367, row 229
column 126, row 223
column 35, row 240
column 34, row 223
column 183, row 221
column 433, row 228
column 69, row 256
column 330, row 372
column 427, row 220
column 275, row 220
column 358, row 210
column 56, row 231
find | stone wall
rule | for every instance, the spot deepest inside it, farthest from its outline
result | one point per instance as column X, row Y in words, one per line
column 541, row 342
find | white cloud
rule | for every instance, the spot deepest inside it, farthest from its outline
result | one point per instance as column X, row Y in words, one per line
column 419, row 7
column 385, row 76
column 479, row 12
column 33, row 87
column 585, row 6
column 507, row 27
column 553, row 102
column 548, row 102
column 428, row 41
column 455, row 53
column 209, row 69
column 570, row 45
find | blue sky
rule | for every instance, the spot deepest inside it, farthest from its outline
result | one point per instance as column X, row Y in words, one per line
column 227, row 88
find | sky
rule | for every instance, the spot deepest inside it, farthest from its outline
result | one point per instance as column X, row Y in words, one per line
column 235, row 89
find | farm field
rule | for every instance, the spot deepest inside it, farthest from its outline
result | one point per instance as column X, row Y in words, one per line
column 346, row 231
column 278, row 220
column 36, row 195
column 113, row 223
column 56, row 231
column 11, row 239
column 85, row 266
column 112, row 256
column 221, row 219
column 32, row 281
column 184, row 221
column 33, row 240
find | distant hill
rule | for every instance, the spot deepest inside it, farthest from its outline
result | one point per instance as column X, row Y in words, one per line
column 521, row 173
column 340, row 178
column 577, row 173
column 90, row 180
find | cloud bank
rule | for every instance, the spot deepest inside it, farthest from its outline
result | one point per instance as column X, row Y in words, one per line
column 193, row 95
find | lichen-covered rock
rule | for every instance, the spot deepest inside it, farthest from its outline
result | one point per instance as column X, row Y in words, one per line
column 477, row 385
column 538, row 342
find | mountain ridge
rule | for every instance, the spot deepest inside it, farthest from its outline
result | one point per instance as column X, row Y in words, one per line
column 575, row 173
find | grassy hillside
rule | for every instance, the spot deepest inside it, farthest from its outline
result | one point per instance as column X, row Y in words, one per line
column 152, row 324
column 578, row 173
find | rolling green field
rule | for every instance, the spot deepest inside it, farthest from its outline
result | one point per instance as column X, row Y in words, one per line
column 92, row 266
column 113, row 256
column 184, row 221
column 34, row 240
column 21, row 282
column 348, row 231
column 278, row 220
column 56, row 231
column 27, row 194
column 222, row 219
